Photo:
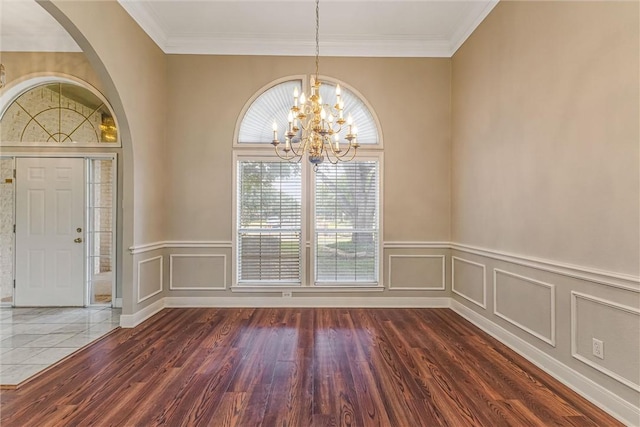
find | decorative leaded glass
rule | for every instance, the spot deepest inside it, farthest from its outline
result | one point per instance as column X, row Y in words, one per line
column 58, row 113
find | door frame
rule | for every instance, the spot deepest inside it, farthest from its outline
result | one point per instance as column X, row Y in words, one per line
column 86, row 156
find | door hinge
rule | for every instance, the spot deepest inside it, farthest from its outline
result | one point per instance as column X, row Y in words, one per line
column 14, row 283
column 14, row 228
column 14, row 173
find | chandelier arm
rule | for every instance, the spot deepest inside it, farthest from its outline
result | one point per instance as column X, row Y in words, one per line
column 296, row 153
column 335, row 159
column 342, row 159
column 280, row 156
column 294, row 157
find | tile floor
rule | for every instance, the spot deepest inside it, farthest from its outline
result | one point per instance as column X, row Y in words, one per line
column 32, row 339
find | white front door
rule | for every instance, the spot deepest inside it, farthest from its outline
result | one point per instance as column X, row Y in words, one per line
column 49, row 232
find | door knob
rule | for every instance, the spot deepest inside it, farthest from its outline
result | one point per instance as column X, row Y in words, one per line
column 78, row 240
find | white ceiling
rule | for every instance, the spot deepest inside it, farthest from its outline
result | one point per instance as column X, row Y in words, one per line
column 417, row 28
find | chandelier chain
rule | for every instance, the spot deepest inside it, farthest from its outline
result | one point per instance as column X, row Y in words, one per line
column 317, row 37
column 315, row 127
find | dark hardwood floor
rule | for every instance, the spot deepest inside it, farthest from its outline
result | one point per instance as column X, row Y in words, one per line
column 298, row 367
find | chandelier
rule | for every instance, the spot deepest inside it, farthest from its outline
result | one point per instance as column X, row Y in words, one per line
column 315, row 128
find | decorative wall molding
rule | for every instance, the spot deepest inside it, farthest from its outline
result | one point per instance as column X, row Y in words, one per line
column 416, row 245
column 195, row 288
column 574, row 328
column 160, row 276
column 551, row 339
column 440, row 287
column 592, row 391
column 482, row 304
column 148, row 247
column 617, row 280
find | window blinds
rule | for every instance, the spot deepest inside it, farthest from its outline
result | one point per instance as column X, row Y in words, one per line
column 269, row 222
column 346, row 223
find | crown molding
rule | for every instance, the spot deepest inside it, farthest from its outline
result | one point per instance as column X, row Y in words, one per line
column 146, row 19
column 281, row 45
column 262, row 44
column 469, row 24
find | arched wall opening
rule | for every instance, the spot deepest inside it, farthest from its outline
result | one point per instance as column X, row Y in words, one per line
column 125, row 213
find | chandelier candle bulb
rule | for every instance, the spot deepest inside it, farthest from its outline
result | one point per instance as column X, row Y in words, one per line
column 275, row 131
column 290, row 119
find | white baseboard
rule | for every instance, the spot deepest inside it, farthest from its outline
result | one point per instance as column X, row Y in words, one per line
column 590, row 390
column 309, row 301
column 133, row 320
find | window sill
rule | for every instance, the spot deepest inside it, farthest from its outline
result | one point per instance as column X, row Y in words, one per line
column 307, row 289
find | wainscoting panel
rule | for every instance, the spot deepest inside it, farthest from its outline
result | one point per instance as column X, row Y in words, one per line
column 150, row 273
column 195, row 272
column 537, row 316
column 468, row 280
column 416, row 272
column 620, row 335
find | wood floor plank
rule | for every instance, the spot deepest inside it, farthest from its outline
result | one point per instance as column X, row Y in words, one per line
column 298, row 367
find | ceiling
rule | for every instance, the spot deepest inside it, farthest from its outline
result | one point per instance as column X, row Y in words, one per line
column 416, row 28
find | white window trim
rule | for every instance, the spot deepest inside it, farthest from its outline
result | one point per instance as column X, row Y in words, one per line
column 374, row 156
column 263, row 155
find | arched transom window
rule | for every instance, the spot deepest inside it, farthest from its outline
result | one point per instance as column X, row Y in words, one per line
column 58, row 114
column 274, row 102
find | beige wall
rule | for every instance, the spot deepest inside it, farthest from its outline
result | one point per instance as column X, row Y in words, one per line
column 132, row 70
column 21, row 64
column 137, row 68
column 410, row 97
column 545, row 164
column 545, row 134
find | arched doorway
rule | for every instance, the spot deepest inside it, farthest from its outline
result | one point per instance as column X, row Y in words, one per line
column 58, row 231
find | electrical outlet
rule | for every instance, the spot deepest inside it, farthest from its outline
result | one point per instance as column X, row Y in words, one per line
column 286, row 294
column 598, row 348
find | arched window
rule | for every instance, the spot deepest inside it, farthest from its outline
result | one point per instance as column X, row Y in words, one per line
column 274, row 101
column 57, row 112
column 279, row 237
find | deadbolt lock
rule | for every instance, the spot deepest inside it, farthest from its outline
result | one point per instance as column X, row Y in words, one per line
column 78, row 240
column 79, row 230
